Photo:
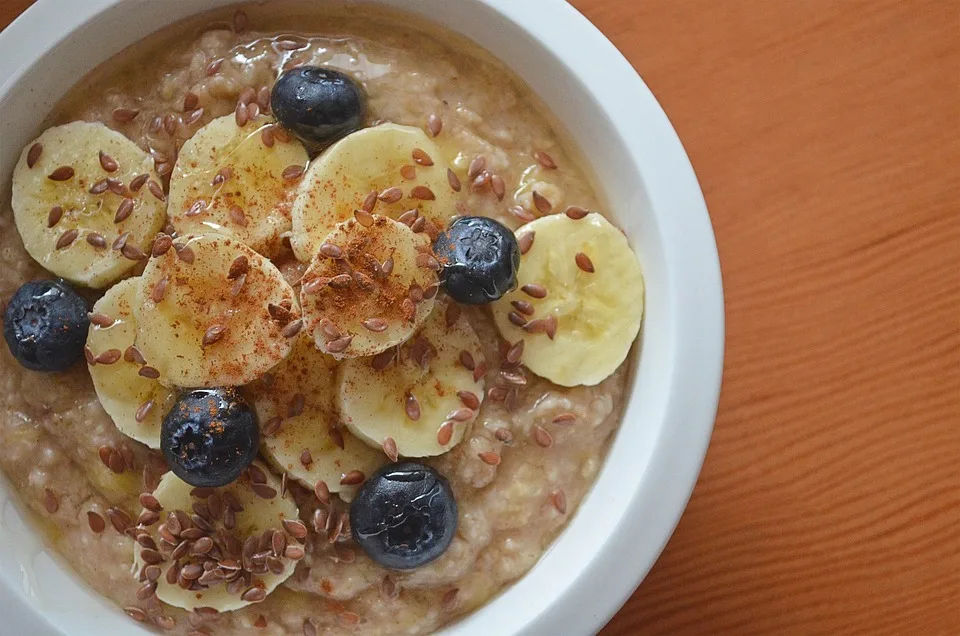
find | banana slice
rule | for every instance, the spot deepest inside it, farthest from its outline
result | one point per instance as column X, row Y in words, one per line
column 127, row 387
column 579, row 302
column 423, row 398
column 299, row 397
column 231, row 558
column 371, row 285
column 238, row 182
column 399, row 163
column 212, row 312
column 77, row 190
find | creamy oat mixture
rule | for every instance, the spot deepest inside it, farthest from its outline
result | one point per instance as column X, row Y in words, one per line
column 73, row 468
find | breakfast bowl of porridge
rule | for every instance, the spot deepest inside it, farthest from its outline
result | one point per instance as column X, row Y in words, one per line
column 332, row 318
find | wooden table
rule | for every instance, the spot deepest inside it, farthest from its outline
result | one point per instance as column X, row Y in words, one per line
column 825, row 135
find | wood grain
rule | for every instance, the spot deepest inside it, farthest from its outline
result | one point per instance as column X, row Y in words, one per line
column 825, row 135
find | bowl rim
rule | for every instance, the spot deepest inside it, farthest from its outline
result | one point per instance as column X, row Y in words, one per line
column 630, row 549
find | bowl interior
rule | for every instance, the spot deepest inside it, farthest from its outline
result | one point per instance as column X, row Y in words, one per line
column 643, row 174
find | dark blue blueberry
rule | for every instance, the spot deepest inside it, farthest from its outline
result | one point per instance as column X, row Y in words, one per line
column 405, row 516
column 319, row 105
column 209, row 437
column 479, row 258
column 45, row 325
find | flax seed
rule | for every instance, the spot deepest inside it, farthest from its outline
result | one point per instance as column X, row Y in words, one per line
column 213, row 334
column 292, row 329
column 482, row 180
column 550, row 326
column 526, row 241
column 545, row 160
column 427, row 261
column 559, row 500
column 124, row 115
column 96, row 522
column 67, row 238
column 352, row 478
column 434, row 124
column 504, row 435
column 408, row 217
column 391, row 195
column 515, row 318
column 263, row 99
column 583, row 262
column 119, row 519
column 322, row 492
column 476, row 167
column 534, row 290
column 370, row 201
column 480, row 371
column 50, row 501
column 264, row 491
column 96, row 240
column 408, row 172
column 56, row 213
column 132, row 354
column 213, row 67
column 420, row 157
column 412, row 407
column 390, row 449
column 387, row 267
column 237, row 285
column 292, row 173
column 522, row 214
column 138, row 182
column 109, row 357
column 542, row 437
column 376, row 325
column 453, row 180
column 33, row 155
column 575, row 212
column 461, row 415
column 336, row 436
column 422, row 193
column 149, row 373
column 445, row 433
column 184, row 253
column 160, row 289
column 156, row 190
column 490, row 458
column 239, row 267
column 542, row 203
column 515, row 352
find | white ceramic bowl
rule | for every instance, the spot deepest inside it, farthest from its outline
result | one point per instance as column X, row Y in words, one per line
column 627, row 518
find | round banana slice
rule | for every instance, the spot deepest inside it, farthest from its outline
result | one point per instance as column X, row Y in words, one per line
column 394, row 168
column 128, row 388
column 371, row 285
column 239, row 182
column 422, row 397
column 86, row 202
column 579, row 302
column 224, row 548
column 212, row 312
column 298, row 396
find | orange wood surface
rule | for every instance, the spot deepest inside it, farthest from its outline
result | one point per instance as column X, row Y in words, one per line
column 825, row 135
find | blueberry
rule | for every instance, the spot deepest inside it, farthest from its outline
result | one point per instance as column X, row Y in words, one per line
column 405, row 516
column 45, row 325
column 209, row 437
column 318, row 105
column 480, row 259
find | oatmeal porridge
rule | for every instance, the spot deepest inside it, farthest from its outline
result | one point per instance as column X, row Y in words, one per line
column 335, row 339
